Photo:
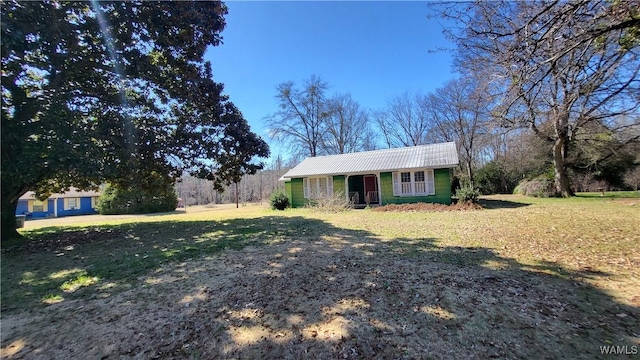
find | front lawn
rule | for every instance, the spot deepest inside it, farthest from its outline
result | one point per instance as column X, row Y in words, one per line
column 521, row 278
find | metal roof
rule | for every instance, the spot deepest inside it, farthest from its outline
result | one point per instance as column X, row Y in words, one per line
column 72, row 193
column 443, row 155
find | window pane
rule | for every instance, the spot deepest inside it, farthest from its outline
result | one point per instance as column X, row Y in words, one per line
column 323, row 186
column 313, row 187
column 419, row 176
column 405, row 179
column 73, row 203
column 38, row 206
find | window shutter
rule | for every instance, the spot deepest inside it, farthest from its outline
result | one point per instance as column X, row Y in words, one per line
column 330, row 185
column 431, row 188
column 93, row 202
column 45, row 205
column 396, row 184
column 66, row 203
column 305, row 186
column 30, row 206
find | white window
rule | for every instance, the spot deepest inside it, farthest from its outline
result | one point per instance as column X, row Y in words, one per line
column 419, row 185
column 412, row 183
column 37, row 206
column 405, row 179
column 71, row 203
column 316, row 187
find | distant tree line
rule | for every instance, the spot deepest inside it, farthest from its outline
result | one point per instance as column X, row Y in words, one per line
column 251, row 187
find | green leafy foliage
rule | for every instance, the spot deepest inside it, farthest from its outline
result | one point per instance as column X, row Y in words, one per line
column 279, row 200
column 494, row 178
column 99, row 92
column 133, row 200
column 467, row 194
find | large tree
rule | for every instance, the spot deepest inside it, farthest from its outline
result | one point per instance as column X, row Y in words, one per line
column 300, row 121
column 405, row 121
column 563, row 64
column 460, row 111
column 107, row 91
column 239, row 148
column 347, row 127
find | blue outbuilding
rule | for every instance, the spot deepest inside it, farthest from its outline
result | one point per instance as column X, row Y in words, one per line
column 72, row 202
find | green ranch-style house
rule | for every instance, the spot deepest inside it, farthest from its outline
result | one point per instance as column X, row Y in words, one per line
column 390, row 176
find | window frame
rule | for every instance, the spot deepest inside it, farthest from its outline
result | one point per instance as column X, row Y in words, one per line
column 399, row 178
column 319, row 191
column 68, row 206
column 42, row 207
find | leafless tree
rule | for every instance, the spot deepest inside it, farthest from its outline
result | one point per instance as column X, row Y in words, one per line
column 632, row 178
column 459, row 111
column 347, row 127
column 404, row 122
column 562, row 63
column 300, row 122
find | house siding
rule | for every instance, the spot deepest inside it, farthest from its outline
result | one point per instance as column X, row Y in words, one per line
column 85, row 208
column 297, row 193
column 287, row 190
column 442, row 182
column 295, row 190
column 22, row 208
column 338, row 185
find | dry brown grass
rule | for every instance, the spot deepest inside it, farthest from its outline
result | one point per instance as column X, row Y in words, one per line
column 524, row 278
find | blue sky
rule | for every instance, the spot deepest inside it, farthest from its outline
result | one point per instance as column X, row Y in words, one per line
column 373, row 50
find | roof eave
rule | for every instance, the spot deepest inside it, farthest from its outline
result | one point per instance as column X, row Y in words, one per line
column 286, row 177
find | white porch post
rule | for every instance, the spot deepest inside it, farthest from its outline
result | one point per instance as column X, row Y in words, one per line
column 55, row 207
column 346, row 187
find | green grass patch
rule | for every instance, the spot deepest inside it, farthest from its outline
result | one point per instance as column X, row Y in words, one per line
column 610, row 194
column 78, row 282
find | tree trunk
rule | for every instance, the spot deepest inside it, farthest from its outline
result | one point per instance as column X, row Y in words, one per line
column 8, row 207
column 562, row 186
column 236, row 194
column 469, row 172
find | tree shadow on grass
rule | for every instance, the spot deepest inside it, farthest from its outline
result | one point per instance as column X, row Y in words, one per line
column 501, row 204
column 294, row 287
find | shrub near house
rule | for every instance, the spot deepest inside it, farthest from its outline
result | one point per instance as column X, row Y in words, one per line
column 117, row 200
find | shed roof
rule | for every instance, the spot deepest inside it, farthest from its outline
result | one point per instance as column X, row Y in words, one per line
column 72, row 193
column 443, row 155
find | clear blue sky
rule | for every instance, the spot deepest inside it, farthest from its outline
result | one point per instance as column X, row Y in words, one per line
column 373, row 50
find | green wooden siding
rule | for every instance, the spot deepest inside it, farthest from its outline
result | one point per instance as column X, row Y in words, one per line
column 287, row 190
column 442, row 179
column 297, row 193
column 442, row 185
column 338, row 185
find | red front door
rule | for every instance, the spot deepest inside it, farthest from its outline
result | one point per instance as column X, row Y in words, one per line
column 370, row 185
